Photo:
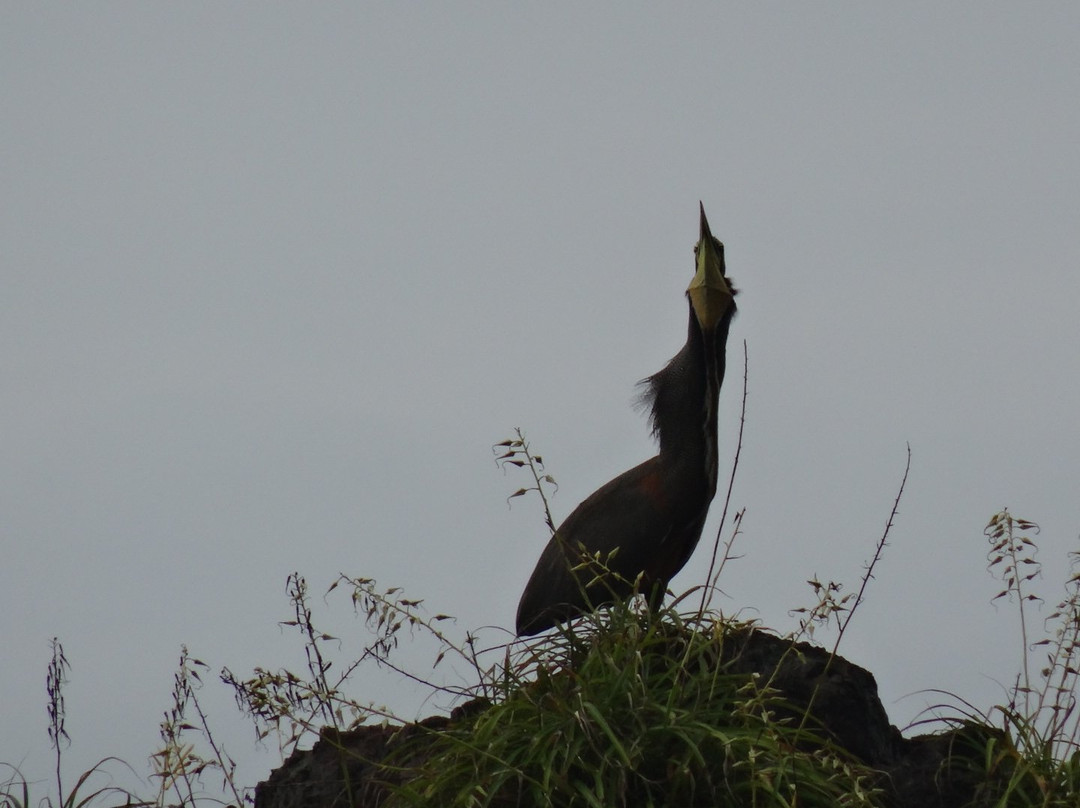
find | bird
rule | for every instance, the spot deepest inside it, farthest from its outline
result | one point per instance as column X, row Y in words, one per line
column 634, row 533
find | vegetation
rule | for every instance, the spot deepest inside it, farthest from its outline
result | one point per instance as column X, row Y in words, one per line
column 1036, row 761
column 634, row 711
column 622, row 707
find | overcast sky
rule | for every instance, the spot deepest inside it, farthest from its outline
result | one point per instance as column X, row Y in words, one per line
column 275, row 278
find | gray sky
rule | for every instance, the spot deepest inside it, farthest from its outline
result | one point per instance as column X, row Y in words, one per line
column 276, row 277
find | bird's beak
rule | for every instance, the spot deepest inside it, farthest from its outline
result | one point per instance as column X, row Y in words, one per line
column 711, row 296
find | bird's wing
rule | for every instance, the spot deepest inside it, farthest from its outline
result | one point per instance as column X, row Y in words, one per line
column 622, row 525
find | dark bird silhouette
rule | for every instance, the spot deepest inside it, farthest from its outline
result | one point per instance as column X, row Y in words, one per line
column 637, row 531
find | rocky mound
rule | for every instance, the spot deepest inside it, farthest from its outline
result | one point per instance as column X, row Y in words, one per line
column 350, row 769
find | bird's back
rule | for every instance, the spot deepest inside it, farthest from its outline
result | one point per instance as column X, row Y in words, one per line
column 624, row 530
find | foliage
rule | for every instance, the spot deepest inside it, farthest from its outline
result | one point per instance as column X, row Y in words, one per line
column 15, row 792
column 178, row 764
column 633, row 709
column 297, row 706
column 1038, row 760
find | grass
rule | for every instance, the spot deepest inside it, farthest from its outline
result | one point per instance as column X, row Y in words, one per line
column 1037, row 761
column 630, row 708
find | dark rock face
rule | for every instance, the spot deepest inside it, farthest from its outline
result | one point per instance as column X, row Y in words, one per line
column 928, row 771
column 846, row 703
column 343, row 769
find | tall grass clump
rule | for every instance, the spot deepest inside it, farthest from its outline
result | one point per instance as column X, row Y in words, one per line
column 1029, row 746
column 632, row 708
column 189, row 751
column 1036, row 759
column 93, row 787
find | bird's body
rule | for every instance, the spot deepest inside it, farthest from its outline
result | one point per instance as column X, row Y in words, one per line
column 640, row 528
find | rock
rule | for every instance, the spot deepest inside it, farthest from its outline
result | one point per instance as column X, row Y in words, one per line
column 343, row 769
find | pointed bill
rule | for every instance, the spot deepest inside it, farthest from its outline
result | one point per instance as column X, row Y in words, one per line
column 711, row 296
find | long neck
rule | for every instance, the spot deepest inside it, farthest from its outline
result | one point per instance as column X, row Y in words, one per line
column 684, row 406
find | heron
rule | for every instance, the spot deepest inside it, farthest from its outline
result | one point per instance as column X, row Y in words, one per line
column 638, row 530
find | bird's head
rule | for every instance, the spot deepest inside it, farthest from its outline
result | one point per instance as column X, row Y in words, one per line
column 712, row 297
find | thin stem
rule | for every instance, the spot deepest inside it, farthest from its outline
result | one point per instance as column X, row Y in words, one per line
column 532, row 463
column 507, row 452
column 881, row 545
column 710, row 580
column 54, row 686
column 1023, row 618
column 223, row 760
